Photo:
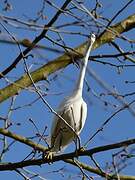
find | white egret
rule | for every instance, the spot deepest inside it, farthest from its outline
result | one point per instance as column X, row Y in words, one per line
column 73, row 110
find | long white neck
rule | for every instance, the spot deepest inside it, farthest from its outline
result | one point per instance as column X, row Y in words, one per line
column 79, row 85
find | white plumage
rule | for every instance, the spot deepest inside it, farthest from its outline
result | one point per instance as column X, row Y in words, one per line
column 73, row 110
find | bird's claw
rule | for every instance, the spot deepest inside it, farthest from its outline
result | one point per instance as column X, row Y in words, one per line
column 81, row 149
column 48, row 156
column 77, row 151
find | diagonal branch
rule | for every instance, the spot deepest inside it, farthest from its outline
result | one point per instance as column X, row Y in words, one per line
column 66, row 59
column 23, row 140
column 35, row 41
column 98, row 172
column 28, row 43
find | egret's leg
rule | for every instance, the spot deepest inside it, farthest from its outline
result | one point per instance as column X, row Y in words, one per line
column 77, row 139
column 82, row 149
column 77, row 142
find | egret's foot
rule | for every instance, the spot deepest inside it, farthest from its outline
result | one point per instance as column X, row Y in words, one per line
column 49, row 157
column 81, row 149
column 78, row 151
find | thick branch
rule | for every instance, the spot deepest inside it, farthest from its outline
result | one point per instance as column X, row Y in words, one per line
column 41, row 148
column 65, row 59
column 66, row 157
column 39, row 162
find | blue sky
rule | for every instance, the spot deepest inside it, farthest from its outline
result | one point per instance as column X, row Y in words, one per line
column 121, row 127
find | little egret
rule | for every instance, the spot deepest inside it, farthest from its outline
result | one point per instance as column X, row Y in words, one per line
column 73, row 110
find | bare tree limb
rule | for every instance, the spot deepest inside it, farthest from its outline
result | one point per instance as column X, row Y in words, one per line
column 65, row 157
column 89, row 152
column 23, row 140
column 36, row 40
column 28, row 43
column 39, row 162
column 64, row 60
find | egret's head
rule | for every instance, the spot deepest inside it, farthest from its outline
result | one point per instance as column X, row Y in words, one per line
column 89, row 44
column 92, row 38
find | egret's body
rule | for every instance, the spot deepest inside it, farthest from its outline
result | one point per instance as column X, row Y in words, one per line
column 73, row 110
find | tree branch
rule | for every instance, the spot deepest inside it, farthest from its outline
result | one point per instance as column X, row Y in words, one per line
column 98, row 172
column 64, row 60
column 28, row 43
column 36, row 40
column 39, row 162
column 23, row 140
column 41, row 148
